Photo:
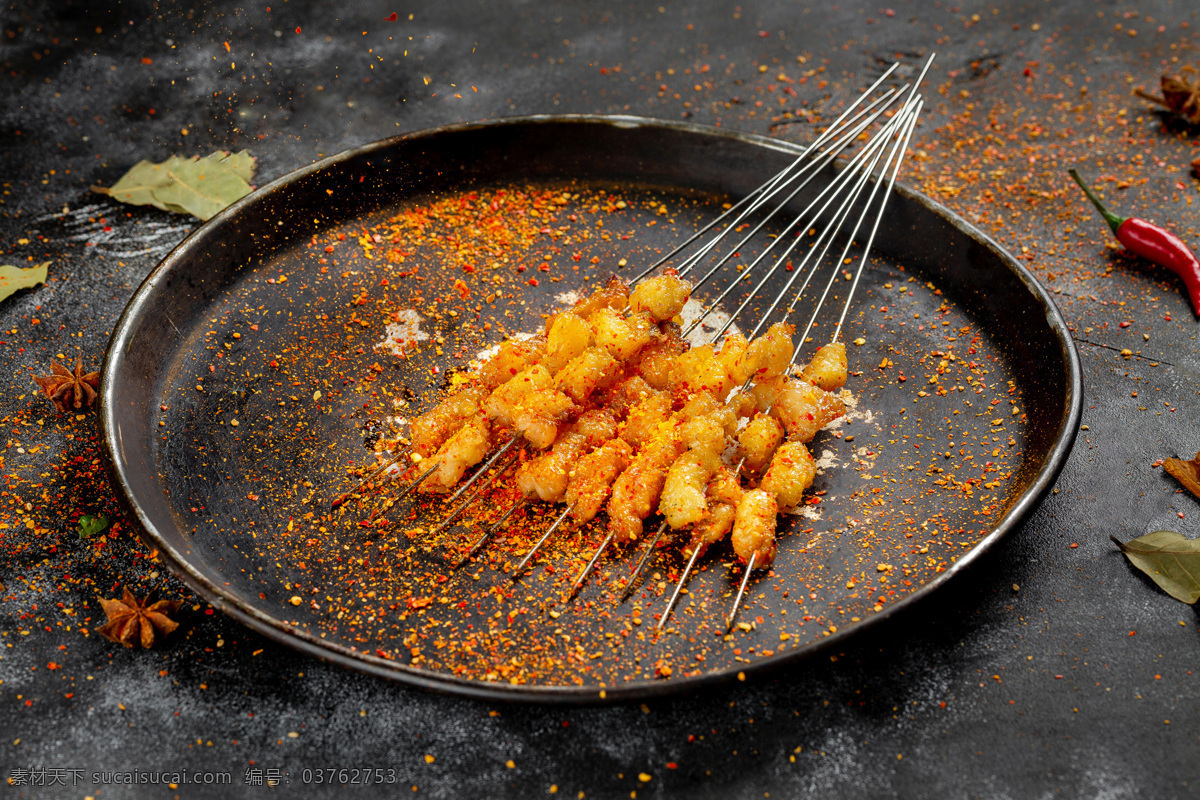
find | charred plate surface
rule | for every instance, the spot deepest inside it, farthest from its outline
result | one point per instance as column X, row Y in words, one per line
column 273, row 360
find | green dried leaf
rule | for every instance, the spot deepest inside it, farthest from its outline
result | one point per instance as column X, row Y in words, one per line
column 14, row 278
column 91, row 524
column 1171, row 561
column 197, row 186
column 240, row 163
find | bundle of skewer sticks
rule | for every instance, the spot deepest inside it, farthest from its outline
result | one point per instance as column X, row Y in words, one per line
column 625, row 417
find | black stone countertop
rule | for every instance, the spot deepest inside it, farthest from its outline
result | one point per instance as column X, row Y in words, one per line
column 1052, row 668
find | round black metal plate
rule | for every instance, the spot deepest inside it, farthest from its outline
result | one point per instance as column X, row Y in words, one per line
column 245, row 371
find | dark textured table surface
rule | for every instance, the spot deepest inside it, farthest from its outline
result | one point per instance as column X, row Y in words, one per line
column 1052, row 668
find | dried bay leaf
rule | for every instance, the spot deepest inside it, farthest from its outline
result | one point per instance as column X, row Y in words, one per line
column 240, row 163
column 1186, row 472
column 13, row 278
column 197, row 186
column 1171, row 560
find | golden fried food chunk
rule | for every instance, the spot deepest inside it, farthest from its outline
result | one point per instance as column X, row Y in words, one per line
column 614, row 294
column 592, row 369
column 712, row 528
column 569, row 336
column 598, row 425
column 513, row 356
column 723, row 493
column 704, row 404
column 439, row 423
column 791, row 472
column 768, row 356
column 546, row 476
column 754, row 528
column 636, row 491
column 743, row 404
column 653, row 362
column 683, row 500
column 539, row 414
column 463, row 450
column 622, row 336
column 802, row 408
column 724, row 487
column 758, row 441
column 644, row 420
column 699, row 370
column 501, row 404
column 733, row 356
column 623, row 395
column 592, row 477
column 664, row 297
column 828, row 367
column 703, row 433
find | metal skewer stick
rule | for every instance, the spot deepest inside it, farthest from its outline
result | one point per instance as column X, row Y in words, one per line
column 814, row 167
column 487, row 464
column 862, row 263
column 375, row 473
column 487, row 535
column 679, row 587
column 818, row 141
column 877, row 144
column 412, row 487
column 898, row 151
column 859, row 167
column 483, row 486
column 575, row 587
column 779, row 184
column 641, row 565
column 737, row 601
column 520, row 568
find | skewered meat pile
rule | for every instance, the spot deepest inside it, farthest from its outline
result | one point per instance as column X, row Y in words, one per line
column 620, row 414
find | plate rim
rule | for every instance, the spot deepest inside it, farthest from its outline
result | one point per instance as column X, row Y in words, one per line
column 279, row 631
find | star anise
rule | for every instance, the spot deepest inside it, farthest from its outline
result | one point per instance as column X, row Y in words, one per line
column 131, row 620
column 1179, row 95
column 69, row 389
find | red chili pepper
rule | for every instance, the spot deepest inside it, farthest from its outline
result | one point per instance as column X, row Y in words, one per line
column 1152, row 243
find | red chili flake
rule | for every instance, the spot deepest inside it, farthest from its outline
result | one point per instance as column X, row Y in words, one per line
column 297, row 30
column 764, row 34
column 391, row 17
column 463, row 290
column 147, row 60
column 1133, row 633
column 1167, row 317
column 1058, row 677
column 1124, row 324
column 672, row 765
column 1074, row 544
column 533, row 281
